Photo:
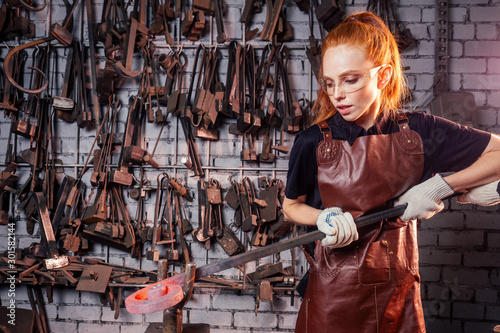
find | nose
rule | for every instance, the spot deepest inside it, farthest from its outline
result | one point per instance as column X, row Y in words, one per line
column 338, row 93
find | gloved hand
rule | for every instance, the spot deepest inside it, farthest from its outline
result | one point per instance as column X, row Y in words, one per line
column 424, row 200
column 339, row 227
column 484, row 195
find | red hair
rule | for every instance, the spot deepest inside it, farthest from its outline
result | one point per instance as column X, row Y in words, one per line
column 368, row 31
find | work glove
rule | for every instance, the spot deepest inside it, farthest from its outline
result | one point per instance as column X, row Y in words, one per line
column 339, row 227
column 424, row 200
column 484, row 195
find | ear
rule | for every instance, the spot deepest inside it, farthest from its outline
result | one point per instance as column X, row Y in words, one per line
column 384, row 76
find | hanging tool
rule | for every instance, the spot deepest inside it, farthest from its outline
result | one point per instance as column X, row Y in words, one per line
column 60, row 33
column 55, row 260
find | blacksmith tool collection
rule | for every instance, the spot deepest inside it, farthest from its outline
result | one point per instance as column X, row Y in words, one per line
column 230, row 86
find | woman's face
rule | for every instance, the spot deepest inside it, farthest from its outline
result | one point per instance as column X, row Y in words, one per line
column 345, row 66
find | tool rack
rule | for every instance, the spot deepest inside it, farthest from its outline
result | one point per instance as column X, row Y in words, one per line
column 177, row 167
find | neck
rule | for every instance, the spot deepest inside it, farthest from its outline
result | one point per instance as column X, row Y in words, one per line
column 369, row 118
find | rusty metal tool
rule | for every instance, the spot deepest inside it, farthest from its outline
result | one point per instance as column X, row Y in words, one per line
column 182, row 232
column 272, row 15
column 83, row 114
column 60, row 33
column 8, row 177
column 63, row 105
column 95, row 278
column 93, row 66
column 219, row 21
column 149, row 300
column 154, row 254
column 32, row 8
column 55, row 260
column 136, row 30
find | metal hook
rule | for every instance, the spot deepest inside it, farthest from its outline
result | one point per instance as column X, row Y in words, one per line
column 34, row 9
column 8, row 67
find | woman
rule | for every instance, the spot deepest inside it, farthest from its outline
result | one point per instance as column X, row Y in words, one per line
column 360, row 155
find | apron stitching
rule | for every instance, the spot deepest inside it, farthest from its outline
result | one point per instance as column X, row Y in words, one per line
column 375, row 283
column 376, row 307
column 307, row 314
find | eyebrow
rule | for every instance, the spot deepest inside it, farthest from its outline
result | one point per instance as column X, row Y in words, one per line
column 344, row 74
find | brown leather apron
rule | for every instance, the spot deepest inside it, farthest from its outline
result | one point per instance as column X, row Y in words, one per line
column 372, row 285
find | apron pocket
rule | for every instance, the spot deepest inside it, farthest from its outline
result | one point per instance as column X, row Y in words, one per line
column 373, row 264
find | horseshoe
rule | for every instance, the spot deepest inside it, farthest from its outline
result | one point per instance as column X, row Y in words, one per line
column 157, row 296
column 30, row 7
column 7, row 66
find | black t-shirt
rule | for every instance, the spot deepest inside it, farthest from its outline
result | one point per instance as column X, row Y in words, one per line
column 448, row 147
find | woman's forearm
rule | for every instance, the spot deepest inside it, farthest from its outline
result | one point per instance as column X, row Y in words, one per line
column 297, row 211
column 485, row 170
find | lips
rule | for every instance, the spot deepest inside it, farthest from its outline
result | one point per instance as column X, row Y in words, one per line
column 343, row 109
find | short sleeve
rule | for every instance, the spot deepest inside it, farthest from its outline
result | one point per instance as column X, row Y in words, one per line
column 302, row 167
column 448, row 146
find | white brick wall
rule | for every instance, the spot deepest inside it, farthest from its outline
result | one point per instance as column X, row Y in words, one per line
column 459, row 248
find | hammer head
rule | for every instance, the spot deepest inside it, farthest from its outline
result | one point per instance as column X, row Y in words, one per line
column 56, row 262
column 61, row 34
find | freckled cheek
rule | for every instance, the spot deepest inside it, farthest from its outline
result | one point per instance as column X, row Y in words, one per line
column 366, row 96
column 332, row 100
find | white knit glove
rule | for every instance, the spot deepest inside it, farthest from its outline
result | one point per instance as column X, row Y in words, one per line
column 484, row 195
column 339, row 227
column 424, row 200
